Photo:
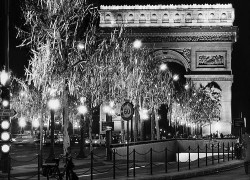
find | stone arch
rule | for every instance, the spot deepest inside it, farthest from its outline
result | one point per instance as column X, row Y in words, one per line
column 171, row 55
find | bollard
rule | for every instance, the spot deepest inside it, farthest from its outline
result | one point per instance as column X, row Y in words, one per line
column 91, row 165
column 232, row 151
column 166, row 160
column 212, row 153
column 178, row 151
column 114, row 163
column 223, row 147
column 151, row 161
column 38, row 167
column 228, row 149
column 189, row 157
column 218, row 153
column 198, row 156
column 206, row 154
column 127, row 159
column 134, row 162
column 8, row 164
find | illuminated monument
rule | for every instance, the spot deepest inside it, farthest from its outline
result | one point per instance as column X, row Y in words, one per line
column 199, row 37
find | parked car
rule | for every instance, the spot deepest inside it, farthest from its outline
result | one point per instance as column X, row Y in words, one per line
column 98, row 142
column 87, row 142
column 23, row 139
column 75, row 139
column 58, row 139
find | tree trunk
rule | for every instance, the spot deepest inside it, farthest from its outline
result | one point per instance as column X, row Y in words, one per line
column 152, row 121
column 137, row 117
column 157, row 124
column 66, row 140
column 122, row 131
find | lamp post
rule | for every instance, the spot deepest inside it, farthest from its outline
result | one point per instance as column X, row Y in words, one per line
column 53, row 104
column 82, row 110
column 144, row 116
column 22, row 124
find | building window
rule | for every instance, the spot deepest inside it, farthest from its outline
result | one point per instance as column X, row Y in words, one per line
column 142, row 18
column 223, row 17
column 108, row 19
column 200, row 18
column 165, row 18
column 119, row 18
column 177, row 18
column 188, row 18
column 211, row 17
column 131, row 18
column 153, row 18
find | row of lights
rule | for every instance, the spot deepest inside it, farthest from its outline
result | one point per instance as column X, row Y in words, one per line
column 5, row 120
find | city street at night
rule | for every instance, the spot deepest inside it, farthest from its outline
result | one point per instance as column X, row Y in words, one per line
column 122, row 89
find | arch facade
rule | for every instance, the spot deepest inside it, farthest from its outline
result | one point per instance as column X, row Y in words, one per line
column 199, row 37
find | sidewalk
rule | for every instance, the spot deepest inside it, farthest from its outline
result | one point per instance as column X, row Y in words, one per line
column 31, row 170
column 225, row 166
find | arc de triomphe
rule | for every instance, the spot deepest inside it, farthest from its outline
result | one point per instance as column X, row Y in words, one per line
column 199, row 37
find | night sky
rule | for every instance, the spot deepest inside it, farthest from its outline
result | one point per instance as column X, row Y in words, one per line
column 240, row 57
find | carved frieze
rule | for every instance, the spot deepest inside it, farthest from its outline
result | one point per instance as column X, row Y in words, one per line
column 210, row 59
column 167, row 15
column 228, row 37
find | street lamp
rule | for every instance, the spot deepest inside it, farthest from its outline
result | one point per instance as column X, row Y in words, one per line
column 137, row 44
column 163, row 67
column 53, row 105
column 82, row 110
column 22, row 124
column 4, row 77
column 144, row 115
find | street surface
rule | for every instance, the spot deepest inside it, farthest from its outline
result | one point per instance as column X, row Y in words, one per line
column 235, row 174
column 24, row 158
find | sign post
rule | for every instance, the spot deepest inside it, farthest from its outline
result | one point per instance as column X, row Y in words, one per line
column 7, row 112
column 239, row 123
column 127, row 112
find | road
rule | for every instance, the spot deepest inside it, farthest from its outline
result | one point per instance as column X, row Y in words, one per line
column 235, row 174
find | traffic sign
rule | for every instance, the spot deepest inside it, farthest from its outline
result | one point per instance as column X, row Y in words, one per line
column 238, row 122
column 127, row 111
column 7, row 112
column 107, row 126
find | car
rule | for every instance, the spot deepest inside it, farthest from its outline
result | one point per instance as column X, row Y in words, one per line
column 75, row 139
column 23, row 139
column 87, row 142
column 58, row 139
column 98, row 142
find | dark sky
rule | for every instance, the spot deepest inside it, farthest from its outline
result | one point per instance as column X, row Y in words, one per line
column 240, row 56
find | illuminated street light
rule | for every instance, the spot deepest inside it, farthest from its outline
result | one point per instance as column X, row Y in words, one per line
column 35, row 123
column 22, row 122
column 4, row 77
column 80, row 46
column 5, row 148
column 53, row 104
column 106, row 108
column 144, row 114
column 176, row 77
column 186, row 86
column 137, row 44
column 163, row 67
column 82, row 110
column 5, row 103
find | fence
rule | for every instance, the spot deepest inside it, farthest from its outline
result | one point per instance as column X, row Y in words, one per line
column 185, row 160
